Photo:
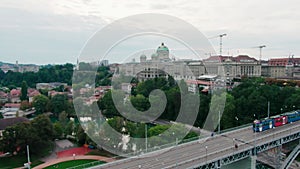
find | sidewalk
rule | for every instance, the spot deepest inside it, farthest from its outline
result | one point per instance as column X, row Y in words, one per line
column 85, row 157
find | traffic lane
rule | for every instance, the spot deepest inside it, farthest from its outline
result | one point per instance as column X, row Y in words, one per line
column 184, row 152
column 281, row 132
column 241, row 134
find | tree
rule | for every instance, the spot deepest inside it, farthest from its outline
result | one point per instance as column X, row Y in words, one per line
column 81, row 136
column 63, row 118
column 8, row 141
column 108, row 106
column 58, row 130
column 24, row 91
column 228, row 117
column 59, row 103
column 40, row 103
column 140, row 102
column 25, row 105
column 69, row 128
column 43, row 127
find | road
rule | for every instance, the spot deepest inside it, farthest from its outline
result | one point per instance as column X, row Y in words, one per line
column 204, row 150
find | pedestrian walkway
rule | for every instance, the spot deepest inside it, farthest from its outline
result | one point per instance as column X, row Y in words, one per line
column 81, row 157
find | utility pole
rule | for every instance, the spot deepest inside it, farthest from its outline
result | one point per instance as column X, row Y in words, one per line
column 219, row 126
column 28, row 159
column 146, row 140
column 268, row 109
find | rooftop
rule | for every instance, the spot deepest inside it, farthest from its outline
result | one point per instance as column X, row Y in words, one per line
column 4, row 123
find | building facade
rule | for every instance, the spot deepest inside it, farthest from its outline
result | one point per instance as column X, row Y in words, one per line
column 282, row 68
column 233, row 67
column 160, row 65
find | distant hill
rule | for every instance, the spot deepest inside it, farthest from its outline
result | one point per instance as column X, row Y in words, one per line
column 12, row 64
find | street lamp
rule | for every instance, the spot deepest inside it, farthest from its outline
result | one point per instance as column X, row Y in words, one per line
column 219, row 126
column 199, row 132
column 237, row 121
column 233, row 139
column 28, row 159
column 206, row 154
column 146, row 139
column 115, row 148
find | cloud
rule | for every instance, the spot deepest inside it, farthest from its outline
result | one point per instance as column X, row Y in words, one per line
column 275, row 23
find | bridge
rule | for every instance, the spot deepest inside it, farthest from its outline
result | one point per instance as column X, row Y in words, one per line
column 214, row 152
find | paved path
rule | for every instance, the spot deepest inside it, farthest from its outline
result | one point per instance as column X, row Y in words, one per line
column 85, row 157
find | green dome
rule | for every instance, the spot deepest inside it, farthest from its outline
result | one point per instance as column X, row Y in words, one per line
column 162, row 47
column 143, row 56
column 154, row 55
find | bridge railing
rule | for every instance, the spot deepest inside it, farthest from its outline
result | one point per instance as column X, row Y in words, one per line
column 235, row 128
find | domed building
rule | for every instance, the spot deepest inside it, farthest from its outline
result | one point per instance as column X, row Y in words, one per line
column 154, row 57
column 157, row 65
column 143, row 58
column 163, row 52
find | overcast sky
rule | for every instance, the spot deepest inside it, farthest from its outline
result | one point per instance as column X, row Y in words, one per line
column 43, row 31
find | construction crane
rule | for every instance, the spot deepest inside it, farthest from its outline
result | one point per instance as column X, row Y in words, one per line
column 221, row 42
column 260, row 50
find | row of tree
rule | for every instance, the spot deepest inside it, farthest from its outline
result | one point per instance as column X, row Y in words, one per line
column 38, row 134
column 46, row 74
column 56, row 104
column 246, row 102
column 249, row 101
column 53, row 73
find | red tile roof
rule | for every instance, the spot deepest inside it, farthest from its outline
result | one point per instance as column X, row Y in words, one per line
column 12, row 105
column 15, row 92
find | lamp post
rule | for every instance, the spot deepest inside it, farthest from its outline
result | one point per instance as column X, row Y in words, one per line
column 205, row 154
column 237, row 121
column 176, row 141
column 233, row 140
column 199, row 132
column 254, row 140
column 268, row 109
column 28, row 159
column 219, row 126
column 146, row 139
column 115, row 149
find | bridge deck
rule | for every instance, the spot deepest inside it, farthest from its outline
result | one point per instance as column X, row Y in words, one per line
column 195, row 153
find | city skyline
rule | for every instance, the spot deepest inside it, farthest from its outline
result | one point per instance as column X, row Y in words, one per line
column 55, row 32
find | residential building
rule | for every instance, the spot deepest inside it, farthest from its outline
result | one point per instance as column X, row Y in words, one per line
column 50, row 86
column 4, row 123
column 15, row 95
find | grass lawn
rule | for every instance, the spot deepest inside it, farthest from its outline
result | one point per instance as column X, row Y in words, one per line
column 71, row 163
column 21, row 158
column 17, row 161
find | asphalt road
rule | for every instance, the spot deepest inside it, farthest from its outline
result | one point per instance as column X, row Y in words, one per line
column 204, row 150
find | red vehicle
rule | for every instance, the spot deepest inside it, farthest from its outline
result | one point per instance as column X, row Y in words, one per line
column 280, row 120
